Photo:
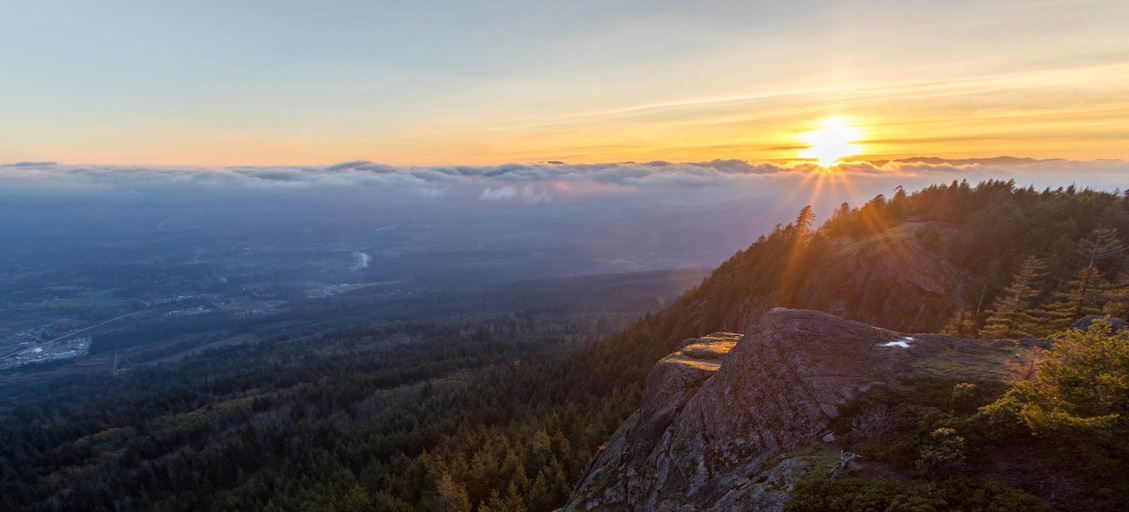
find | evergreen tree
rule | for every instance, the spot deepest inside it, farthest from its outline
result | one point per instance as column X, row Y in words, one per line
column 452, row 496
column 514, row 501
column 804, row 220
column 1088, row 290
column 1102, row 245
column 1080, row 390
column 494, row 504
column 839, row 222
column 1117, row 299
column 843, row 212
column 540, row 496
column 1083, row 295
column 1011, row 314
column 962, row 323
column 898, row 204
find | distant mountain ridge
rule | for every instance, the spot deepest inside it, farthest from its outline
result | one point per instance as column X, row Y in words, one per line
column 994, row 160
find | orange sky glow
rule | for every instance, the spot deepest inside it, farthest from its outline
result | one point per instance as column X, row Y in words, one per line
column 660, row 81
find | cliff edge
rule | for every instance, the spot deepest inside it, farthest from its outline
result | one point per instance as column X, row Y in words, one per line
column 718, row 414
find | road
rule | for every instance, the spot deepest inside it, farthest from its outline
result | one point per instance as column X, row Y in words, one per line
column 95, row 326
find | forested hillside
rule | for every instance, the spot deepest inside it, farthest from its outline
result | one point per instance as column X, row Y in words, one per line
column 992, row 261
column 497, row 418
column 940, row 259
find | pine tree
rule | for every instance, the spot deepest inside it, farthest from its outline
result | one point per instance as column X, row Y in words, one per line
column 540, row 496
column 839, row 223
column 561, row 483
column 898, row 204
column 1101, row 246
column 494, row 504
column 1088, row 290
column 452, row 496
column 1083, row 295
column 804, row 220
column 842, row 212
column 1080, row 389
column 514, row 501
column 1117, row 299
column 962, row 323
column 1011, row 314
column 542, row 449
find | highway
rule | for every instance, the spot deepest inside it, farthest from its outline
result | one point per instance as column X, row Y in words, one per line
column 95, row 326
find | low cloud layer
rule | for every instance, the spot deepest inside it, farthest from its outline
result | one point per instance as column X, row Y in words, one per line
column 545, row 182
column 369, row 173
column 593, row 217
column 526, row 194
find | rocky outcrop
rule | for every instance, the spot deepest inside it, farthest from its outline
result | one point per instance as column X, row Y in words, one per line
column 893, row 279
column 672, row 382
column 898, row 279
column 1115, row 324
column 718, row 414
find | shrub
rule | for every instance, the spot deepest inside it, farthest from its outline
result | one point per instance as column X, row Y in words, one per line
column 964, row 397
column 943, row 456
column 1078, row 392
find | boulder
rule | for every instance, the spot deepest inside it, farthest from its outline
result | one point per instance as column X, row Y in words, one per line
column 1084, row 322
column 1035, row 343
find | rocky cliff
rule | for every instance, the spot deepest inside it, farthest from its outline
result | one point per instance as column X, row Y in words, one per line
column 894, row 279
column 718, row 414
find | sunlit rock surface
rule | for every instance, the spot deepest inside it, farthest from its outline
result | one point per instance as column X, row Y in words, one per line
column 718, row 414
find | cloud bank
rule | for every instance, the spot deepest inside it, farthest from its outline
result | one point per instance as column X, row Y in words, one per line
column 541, row 183
column 603, row 217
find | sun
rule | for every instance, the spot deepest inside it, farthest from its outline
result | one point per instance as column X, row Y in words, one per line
column 834, row 140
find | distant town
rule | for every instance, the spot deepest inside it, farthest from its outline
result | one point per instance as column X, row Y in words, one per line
column 31, row 349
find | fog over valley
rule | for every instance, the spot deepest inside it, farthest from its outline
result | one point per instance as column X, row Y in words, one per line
column 88, row 244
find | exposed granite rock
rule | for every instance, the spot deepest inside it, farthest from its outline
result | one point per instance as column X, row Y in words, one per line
column 1034, row 342
column 1115, row 324
column 712, row 426
column 671, row 383
column 770, row 490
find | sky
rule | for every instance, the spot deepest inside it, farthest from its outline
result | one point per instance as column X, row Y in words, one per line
column 434, row 83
